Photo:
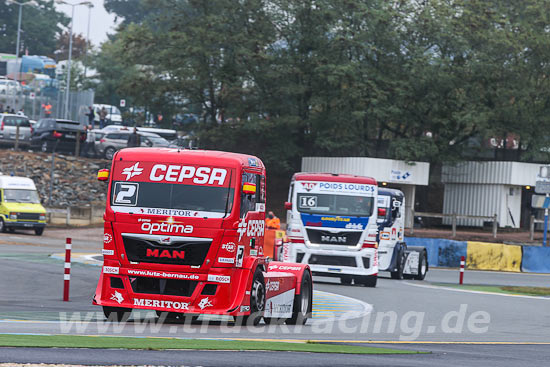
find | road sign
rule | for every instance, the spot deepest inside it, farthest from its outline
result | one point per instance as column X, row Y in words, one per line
column 32, row 95
column 542, row 187
column 122, row 103
column 540, row 202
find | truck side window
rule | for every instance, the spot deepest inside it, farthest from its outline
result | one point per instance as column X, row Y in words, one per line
column 248, row 202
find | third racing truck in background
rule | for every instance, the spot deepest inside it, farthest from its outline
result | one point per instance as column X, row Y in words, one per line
column 332, row 226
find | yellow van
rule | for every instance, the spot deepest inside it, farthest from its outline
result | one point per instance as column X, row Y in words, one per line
column 20, row 205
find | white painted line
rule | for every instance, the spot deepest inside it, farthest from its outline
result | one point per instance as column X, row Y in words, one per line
column 476, row 292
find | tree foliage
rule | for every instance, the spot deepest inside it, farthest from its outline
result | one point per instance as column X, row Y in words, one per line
column 430, row 80
column 40, row 27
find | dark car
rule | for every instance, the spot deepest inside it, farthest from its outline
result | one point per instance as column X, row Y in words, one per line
column 61, row 134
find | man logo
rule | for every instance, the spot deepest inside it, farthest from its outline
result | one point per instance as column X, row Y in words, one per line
column 308, row 186
column 132, row 171
column 334, row 239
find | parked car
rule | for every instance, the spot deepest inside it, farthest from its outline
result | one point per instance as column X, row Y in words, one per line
column 115, row 140
column 8, row 129
column 60, row 134
column 113, row 114
column 167, row 134
column 11, row 87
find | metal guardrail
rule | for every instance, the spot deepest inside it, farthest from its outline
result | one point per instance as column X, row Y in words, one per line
column 454, row 218
column 76, row 213
column 532, row 222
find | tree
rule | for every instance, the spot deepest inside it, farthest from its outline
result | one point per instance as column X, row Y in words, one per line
column 80, row 46
column 39, row 28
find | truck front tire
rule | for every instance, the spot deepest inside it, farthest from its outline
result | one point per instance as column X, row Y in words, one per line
column 257, row 299
column 118, row 313
column 367, row 280
column 39, row 231
column 422, row 266
column 398, row 274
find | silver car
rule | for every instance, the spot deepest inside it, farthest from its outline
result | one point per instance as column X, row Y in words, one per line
column 115, row 140
column 8, row 129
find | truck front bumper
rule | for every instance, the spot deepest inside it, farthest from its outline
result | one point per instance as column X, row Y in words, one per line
column 24, row 224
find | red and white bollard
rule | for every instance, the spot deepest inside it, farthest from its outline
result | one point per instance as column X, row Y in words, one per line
column 462, row 263
column 67, row 275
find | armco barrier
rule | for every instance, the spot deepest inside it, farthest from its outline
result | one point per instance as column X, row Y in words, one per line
column 441, row 252
column 493, row 256
column 535, row 259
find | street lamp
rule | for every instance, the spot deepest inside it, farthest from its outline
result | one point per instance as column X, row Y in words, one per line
column 87, row 41
column 31, row 3
column 68, row 87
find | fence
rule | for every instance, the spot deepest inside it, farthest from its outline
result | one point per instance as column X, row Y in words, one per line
column 454, row 218
column 75, row 216
column 32, row 102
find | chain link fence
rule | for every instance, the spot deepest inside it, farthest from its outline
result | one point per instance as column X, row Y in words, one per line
column 37, row 105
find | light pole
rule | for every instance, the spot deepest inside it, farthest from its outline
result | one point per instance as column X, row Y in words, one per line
column 87, row 41
column 31, row 3
column 68, row 81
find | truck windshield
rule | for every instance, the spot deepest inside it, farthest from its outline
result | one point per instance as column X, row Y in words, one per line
column 21, row 196
column 172, row 196
column 325, row 204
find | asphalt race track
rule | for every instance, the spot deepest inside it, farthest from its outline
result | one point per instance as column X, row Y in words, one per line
column 504, row 330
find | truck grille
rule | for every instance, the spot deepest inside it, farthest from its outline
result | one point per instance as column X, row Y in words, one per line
column 177, row 253
column 332, row 260
column 327, row 238
column 28, row 216
column 169, row 287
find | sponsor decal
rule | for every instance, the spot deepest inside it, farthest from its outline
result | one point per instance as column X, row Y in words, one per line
column 347, row 187
column 205, row 302
column 260, row 251
column 280, row 305
column 253, row 162
column 393, row 233
column 132, row 171
column 245, row 308
column 285, row 267
column 111, row 269
column 219, row 278
column 375, row 262
column 308, row 186
column 117, row 297
column 126, row 193
column 253, row 253
column 162, row 274
column 226, row 260
column 144, row 302
column 229, row 247
column 272, row 285
column 252, row 228
column 169, row 254
column 166, row 227
column 107, row 238
column 198, row 175
column 316, row 220
column 107, row 252
column 240, row 256
column 385, row 235
column 354, row 226
column 260, row 207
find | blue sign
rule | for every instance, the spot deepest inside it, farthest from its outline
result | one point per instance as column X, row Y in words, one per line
column 334, row 221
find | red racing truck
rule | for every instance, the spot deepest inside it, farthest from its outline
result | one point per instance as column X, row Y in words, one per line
column 184, row 233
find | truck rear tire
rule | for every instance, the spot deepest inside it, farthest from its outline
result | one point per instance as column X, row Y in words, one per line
column 257, row 299
column 346, row 279
column 38, row 231
column 367, row 280
column 119, row 313
column 303, row 302
column 422, row 266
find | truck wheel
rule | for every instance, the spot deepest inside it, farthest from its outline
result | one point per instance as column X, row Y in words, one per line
column 38, row 231
column 367, row 280
column 2, row 226
column 346, row 279
column 303, row 302
column 119, row 313
column 257, row 299
column 109, row 152
column 398, row 274
column 422, row 266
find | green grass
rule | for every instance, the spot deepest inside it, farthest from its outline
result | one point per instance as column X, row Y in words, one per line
column 80, row 341
column 528, row 291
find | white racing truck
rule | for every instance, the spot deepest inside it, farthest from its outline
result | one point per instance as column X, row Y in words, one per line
column 393, row 254
column 332, row 227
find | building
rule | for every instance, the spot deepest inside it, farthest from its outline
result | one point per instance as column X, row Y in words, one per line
column 388, row 172
column 489, row 188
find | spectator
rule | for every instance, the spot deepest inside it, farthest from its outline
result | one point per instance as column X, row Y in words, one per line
column 21, row 112
column 89, row 143
column 47, row 107
column 7, row 109
column 272, row 222
column 102, row 117
column 1, row 108
column 134, row 139
column 91, row 116
column 12, row 111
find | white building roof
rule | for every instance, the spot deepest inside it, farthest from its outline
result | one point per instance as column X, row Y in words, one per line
column 382, row 170
column 503, row 173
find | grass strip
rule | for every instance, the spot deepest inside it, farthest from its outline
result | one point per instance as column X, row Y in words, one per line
column 521, row 290
column 107, row 342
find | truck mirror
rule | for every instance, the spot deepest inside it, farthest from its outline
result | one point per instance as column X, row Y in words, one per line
column 381, row 212
column 288, row 206
column 103, row 175
column 249, row 188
